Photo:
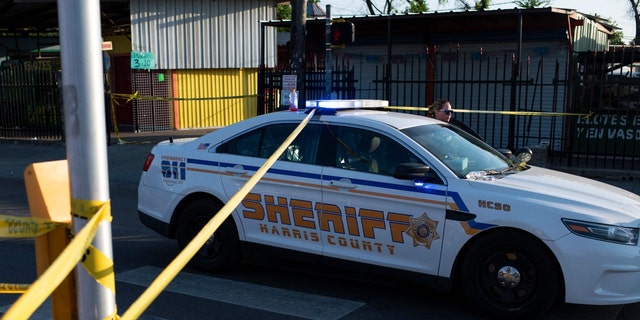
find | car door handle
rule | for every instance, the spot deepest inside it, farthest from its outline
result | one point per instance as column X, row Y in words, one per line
column 342, row 183
column 238, row 169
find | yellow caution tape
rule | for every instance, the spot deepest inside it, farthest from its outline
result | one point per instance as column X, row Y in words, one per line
column 13, row 287
column 513, row 113
column 113, row 103
column 38, row 292
column 136, row 96
column 100, row 267
column 26, row 227
column 94, row 261
column 407, row 108
column 87, row 208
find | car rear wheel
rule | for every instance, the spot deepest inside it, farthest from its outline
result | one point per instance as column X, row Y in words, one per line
column 510, row 275
column 222, row 249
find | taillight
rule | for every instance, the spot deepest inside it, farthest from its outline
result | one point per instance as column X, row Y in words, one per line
column 147, row 163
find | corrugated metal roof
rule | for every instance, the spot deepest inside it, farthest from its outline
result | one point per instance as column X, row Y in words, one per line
column 589, row 32
column 314, row 10
column 193, row 34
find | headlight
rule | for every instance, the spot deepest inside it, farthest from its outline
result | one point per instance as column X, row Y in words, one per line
column 604, row 232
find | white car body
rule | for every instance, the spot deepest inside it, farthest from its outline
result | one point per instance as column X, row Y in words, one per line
column 377, row 219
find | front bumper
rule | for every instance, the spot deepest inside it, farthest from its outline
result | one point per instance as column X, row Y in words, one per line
column 598, row 272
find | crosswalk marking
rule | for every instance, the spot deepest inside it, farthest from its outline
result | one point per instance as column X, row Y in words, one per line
column 289, row 302
column 44, row 312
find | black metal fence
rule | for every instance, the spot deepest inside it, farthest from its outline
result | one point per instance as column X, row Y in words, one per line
column 270, row 85
column 580, row 109
column 583, row 108
column 607, row 85
column 30, row 104
column 509, row 103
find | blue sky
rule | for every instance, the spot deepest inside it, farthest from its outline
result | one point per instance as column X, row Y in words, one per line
column 617, row 10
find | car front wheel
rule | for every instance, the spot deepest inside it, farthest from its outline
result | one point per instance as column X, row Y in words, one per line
column 510, row 274
column 222, row 250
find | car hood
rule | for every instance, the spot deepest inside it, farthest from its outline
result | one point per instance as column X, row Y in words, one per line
column 570, row 193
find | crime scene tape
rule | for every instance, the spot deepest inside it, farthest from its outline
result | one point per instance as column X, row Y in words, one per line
column 65, row 263
column 13, row 287
column 137, row 96
column 114, row 97
column 170, row 272
column 512, row 113
column 113, row 103
column 95, row 262
column 26, row 227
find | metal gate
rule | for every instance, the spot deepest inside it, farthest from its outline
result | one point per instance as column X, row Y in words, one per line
column 153, row 114
column 495, row 95
column 30, row 104
column 270, row 85
column 607, row 85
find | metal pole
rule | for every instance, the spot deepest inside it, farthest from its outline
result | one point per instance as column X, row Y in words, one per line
column 515, row 75
column 327, row 56
column 85, row 131
column 298, row 40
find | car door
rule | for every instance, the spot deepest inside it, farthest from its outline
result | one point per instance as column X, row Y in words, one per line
column 278, row 211
column 369, row 216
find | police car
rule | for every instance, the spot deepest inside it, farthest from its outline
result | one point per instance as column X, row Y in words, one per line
column 401, row 193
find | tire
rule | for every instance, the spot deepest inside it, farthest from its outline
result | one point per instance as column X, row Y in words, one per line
column 221, row 251
column 510, row 274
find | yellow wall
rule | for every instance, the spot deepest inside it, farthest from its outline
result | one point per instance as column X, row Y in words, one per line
column 214, row 97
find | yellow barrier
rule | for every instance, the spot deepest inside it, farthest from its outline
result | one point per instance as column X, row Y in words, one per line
column 26, row 305
column 57, row 256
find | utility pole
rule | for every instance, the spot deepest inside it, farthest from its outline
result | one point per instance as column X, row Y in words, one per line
column 85, row 134
column 298, row 39
column 327, row 55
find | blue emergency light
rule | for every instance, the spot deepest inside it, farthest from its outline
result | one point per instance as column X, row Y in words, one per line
column 347, row 104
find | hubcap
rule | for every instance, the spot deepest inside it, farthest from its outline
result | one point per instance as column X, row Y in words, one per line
column 508, row 277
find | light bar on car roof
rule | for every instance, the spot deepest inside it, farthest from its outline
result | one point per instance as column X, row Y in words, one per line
column 347, row 104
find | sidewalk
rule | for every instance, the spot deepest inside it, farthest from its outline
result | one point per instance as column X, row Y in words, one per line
column 128, row 151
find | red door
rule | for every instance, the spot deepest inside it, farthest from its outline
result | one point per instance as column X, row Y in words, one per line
column 121, row 84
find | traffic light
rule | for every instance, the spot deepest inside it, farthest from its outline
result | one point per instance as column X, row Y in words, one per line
column 342, row 32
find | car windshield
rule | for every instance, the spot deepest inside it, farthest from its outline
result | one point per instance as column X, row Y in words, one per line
column 458, row 150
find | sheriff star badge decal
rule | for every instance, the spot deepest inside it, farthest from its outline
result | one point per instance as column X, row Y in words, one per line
column 423, row 231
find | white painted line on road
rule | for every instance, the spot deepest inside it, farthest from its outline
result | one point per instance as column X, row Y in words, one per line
column 288, row 302
column 42, row 313
column 45, row 312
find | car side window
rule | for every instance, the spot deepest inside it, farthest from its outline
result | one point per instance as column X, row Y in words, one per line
column 264, row 141
column 369, row 151
column 245, row 145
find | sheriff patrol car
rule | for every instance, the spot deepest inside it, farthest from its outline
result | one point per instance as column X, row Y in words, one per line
column 403, row 193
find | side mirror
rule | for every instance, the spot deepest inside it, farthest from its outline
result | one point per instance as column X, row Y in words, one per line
column 524, row 154
column 415, row 171
column 410, row 171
